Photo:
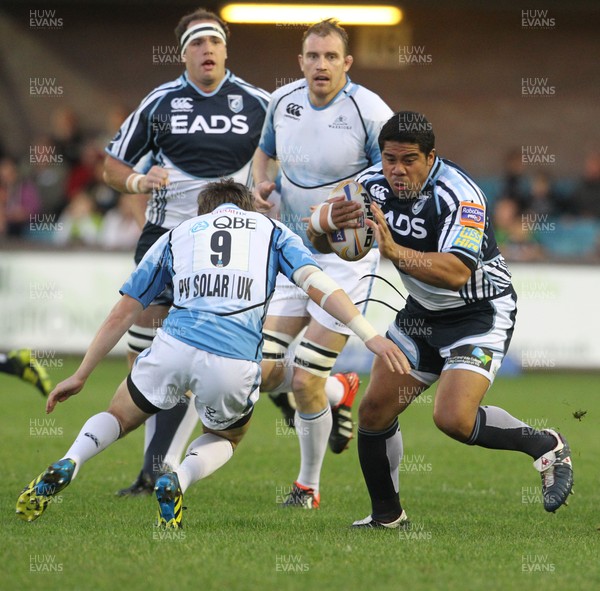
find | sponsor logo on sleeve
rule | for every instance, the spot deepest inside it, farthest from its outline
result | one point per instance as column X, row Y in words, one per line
column 469, row 239
column 472, row 215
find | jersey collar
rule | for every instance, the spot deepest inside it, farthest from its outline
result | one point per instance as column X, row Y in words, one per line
column 215, row 91
column 436, row 170
column 226, row 205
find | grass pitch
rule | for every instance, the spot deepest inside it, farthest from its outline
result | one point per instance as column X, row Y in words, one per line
column 477, row 519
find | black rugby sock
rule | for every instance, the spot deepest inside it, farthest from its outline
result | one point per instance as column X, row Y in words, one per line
column 496, row 429
column 380, row 454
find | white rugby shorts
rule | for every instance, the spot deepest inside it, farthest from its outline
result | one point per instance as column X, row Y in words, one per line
column 225, row 389
column 290, row 300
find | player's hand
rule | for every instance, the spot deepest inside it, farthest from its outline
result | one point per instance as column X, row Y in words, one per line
column 387, row 247
column 261, row 194
column 63, row 391
column 344, row 213
column 156, row 178
column 390, row 353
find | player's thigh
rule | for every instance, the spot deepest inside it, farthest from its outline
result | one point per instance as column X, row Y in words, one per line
column 278, row 334
column 234, row 434
column 459, row 394
column 387, row 395
column 126, row 411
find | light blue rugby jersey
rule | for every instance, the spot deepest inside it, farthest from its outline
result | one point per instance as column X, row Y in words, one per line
column 317, row 147
column 223, row 267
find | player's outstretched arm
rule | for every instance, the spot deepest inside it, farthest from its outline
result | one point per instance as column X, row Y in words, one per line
column 120, row 318
column 440, row 269
column 122, row 178
column 325, row 292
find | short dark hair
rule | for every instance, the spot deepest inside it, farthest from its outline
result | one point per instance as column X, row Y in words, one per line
column 224, row 191
column 408, row 127
column 200, row 14
column 329, row 26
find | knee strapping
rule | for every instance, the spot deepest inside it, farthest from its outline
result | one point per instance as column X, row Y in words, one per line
column 315, row 358
column 276, row 345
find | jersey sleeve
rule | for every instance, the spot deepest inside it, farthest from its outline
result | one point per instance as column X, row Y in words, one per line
column 153, row 274
column 374, row 121
column 462, row 232
column 134, row 139
column 291, row 251
column 267, row 136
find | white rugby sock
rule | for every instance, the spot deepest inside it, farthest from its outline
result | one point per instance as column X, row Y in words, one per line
column 334, row 389
column 313, row 433
column 204, row 455
column 181, row 437
column 95, row 436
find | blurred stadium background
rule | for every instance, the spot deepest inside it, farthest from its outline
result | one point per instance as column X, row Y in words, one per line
column 512, row 90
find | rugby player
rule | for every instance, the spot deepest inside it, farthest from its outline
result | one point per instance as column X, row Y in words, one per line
column 432, row 222
column 222, row 265
column 322, row 129
column 203, row 126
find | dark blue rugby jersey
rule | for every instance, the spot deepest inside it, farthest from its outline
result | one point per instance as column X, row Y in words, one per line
column 450, row 215
column 198, row 137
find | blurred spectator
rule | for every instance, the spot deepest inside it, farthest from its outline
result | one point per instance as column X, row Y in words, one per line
column 48, row 171
column 80, row 222
column 19, row 200
column 515, row 184
column 543, row 200
column 515, row 239
column 120, row 227
column 586, row 198
column 82, row 173
column 66, row 134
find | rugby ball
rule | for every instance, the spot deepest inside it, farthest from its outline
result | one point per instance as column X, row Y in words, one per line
column 352, row 244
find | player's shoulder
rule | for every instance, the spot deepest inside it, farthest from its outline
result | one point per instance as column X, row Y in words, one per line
column 370, row 175
column 168, row 88
column 297, row 88
column 455, row 185
column 256, row 92
column 369, row 102
column 375, row 183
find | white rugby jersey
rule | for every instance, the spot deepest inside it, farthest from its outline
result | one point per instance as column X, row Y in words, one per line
column 198, row 137
column 222, row 267
column 317, row 147
column 450, row 215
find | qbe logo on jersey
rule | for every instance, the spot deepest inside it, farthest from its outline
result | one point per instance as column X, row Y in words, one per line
column 472, row 215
